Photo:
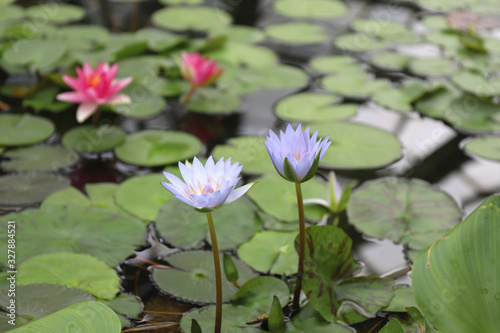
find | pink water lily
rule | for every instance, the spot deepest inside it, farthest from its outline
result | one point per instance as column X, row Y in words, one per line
column 93, row 88
column 199, row 71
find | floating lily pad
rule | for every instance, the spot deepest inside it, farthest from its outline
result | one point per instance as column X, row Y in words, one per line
column 125, row 304
column 45, row 100
column 17, row 130
column 73, row 270
column 459, row 274
column 244, row 54
column 437, row 66
column 402, row 97
column 213, row 101
column 157, row 147
column 277, row 197
column 92, row 139
column 35, row 54
column 249, row 151
column 190, row 18
column 392, row 61
column 476, row 84
column 438, row 102
column 94, row 34
column 266, row 287
column 391, row 31
column 99, row 195
column 271, row 251
column 310, row 319
column 240, row 33
column 486, row 147
column 144, row 106
column 357, row 146
column 193, row 278
column 471, row 114
column 403, row 298
column 103, row 319
column 329, row 283
column 411, row 212
column 35, row 301
column 29, row 189
column 234, row 321
column 357, row 85
column 358, row 42
column 311, row 9
column 142, row 196
column 446, row 5
column 314, row 107
column 283, row 77
column 183, row 227
column 108, row 235
column 297, row 33
column 39, row 158
column 335, row 64
column 60, row 14
column 11, row 13
column 160, row 40
column 67, row 196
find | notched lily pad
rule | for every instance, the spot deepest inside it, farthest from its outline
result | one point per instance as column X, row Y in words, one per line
column 39, row 158
column 213, row 101
column 471, row 114
column 311, row 9
column 297, row 33
column 18, row 130
column 486, row 147
column 45, row 100
column 200, row 18
column 92, row 139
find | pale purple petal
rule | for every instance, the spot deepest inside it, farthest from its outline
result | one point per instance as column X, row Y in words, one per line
column 174, row 180
column 237, row 193
column 188, row 200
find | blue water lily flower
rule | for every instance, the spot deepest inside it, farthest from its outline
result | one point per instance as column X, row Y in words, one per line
column 295, row 154
column 208, row 187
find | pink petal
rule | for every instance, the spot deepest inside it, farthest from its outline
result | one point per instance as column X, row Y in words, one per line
column 87, row 69
column 72, row 97
column 74, row 83
column 85, row 110
column 119, row 99
column 119, row 85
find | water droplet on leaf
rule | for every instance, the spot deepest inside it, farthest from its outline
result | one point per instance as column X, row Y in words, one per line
column 484, row 291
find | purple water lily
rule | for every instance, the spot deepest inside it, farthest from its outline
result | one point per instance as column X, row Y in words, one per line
column 208, row 187
column 295, row 154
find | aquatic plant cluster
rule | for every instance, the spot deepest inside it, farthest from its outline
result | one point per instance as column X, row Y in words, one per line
column 131, row 200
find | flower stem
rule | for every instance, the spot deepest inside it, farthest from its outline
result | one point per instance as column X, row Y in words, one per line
column 96, row 117
column 188, row 96
column 302, row 245
column 218, row 280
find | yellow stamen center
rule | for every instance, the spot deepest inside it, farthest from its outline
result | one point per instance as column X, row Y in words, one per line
column 93, row 80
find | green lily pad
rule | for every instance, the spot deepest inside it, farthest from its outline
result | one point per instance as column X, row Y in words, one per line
column 249, row 151
column 392, row 61
column 74, row 270
column 403, row 298
column 39, row 158
column 29, row 189
column 67, row 196
column 142, row 196
column 310, row 319
column 45, row 100
column 283, row 77
column 213, row 101
column 92, row 139
column 160, row 40
column 476, row 84
column 146, row 104
column 88, row 230
column 193, row 278
column 438, row 102
column 99, row 195
column 190, row 18
column 436, row 66
column 11, row 13
column 358, row 42
column 471, row 114
column 277, row 197
column 17, row 130
column 157, row 147
column 411, row 212
column 297, row 33
column 456, row 281
column 93, row 34
column 446, row 5
column 328, row 282
column 125, row 304
column 393, row 326
column 35, row 301
column 335, row 64
column 239, row 33
column 266, row 287
column 313, row 107
column 486, row 147
column 103, row 319
column 35, row 54
column 243, row 54
column 183, row 227
column 402, row 97
column 380, row 28
column 356, row 85
column 311, row 9
column 63, row 13
column 234, row 319
column 271, row 251
column 357, row 147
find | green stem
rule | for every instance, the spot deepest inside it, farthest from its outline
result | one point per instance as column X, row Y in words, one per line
column 188, row 96
column 302, row 246
column 96, row 117
column 218, row 280
column 337, row 220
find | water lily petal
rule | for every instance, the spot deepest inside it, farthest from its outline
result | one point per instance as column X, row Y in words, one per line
column 85, row 110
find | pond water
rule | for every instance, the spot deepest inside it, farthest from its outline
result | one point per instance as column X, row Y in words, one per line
column 432, row 149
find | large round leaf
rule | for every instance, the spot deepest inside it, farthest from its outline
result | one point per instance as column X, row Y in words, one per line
column 92, row 139
column 108, row 235
column 277, row 197
column 142, row 196
column 390, row 61
column 59, row 13
column 313, row 107
column 258, row 293
column 486, row 147
column 357, row 146
column 271, row 251
column 335, row 63
column 144, row 103
column 191, row 18
column 243, row 54
column 35, row 54
column 28, row 189
column 183, row 227
column 437, row 66
column 39, row 158
column 471, row 114
column 411, row 212
column 193, row 278
column 400, row 98
column 240, row 33
column 16, row 130
column 157, row 147
column 312, row 9
column 456, row 282
column 249, row 151
column 297, row 33
column 283, row 77
column 45, row 100
column 357, row 85
column 213, row 101
column 126, row 305
column 77, row 315
column 74, row 270
column 359, row 42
